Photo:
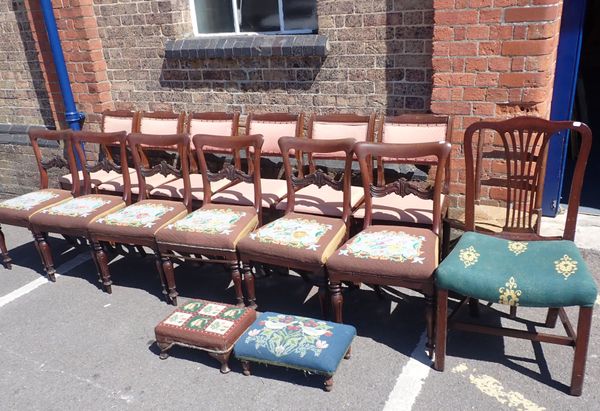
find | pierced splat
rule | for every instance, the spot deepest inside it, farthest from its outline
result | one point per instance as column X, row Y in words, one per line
column 230, row 172
column 402, row 187
column 55, row 162
column 318, row 178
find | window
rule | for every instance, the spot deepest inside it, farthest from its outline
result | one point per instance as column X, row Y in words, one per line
column 254, row 16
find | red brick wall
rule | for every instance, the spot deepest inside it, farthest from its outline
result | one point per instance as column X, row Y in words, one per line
column 492, row 59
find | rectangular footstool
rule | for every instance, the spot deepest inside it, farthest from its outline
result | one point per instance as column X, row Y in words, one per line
column 204, row 325
column 295, row 342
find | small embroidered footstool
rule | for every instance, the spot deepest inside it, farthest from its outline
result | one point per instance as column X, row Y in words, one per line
column 204, row 325
column 296, row 342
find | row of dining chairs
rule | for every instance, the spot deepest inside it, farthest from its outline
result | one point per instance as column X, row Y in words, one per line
column 319, row 246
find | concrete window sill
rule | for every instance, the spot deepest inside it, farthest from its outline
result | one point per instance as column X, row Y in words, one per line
column 226, row 47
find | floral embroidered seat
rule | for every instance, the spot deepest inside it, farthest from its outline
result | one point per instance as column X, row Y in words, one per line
column 17, row 210
column 212, row 226
column 140, row 220
column 295, row 239
column 532, row 274
column 204, row 325
column 73, row 216
column 295, row 342
column 388, row 251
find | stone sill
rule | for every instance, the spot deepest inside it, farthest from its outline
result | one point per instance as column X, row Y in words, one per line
column 226, row 47
column 17, row 134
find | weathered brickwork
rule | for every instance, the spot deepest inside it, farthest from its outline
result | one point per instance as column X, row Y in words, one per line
column 379, row 59
column 492, row 59
column 24, row 97
column 470, row 59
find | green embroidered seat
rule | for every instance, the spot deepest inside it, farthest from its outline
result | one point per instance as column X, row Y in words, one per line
column 531, row 274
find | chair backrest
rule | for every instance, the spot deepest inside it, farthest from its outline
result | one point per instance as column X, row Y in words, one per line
column 403, row 153
column 106, row 162
column 302, row 146
column 231, row 172
column 272, row 126
column 119, row 120
column 411, row 129
column 160, row 122
column 213, row 123
column 509, row 160
column 336, row 126
column 65, row 161
column 181, row 142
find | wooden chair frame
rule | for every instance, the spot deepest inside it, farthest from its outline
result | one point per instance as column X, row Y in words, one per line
column 135, row 142
column 194, row 252
column 68, row 161
column 79, row 138
column 365, row 152
column 533, row 132
column 319, row 178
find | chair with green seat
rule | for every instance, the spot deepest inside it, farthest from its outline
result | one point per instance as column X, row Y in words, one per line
column 518, row 266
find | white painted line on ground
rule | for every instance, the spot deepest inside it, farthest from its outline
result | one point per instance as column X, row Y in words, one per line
column 411, row 379
column 27, row 288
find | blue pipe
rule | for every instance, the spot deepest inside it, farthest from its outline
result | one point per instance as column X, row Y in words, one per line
column 73, row 117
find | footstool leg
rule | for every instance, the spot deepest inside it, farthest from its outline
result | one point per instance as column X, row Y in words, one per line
column 328, row 384
column 224, row 360
column 348, row 354
column 164, row 347
column 236, row 277
column 6, row 260
column 246, row 367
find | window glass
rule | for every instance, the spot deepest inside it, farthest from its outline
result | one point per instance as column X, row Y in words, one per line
column 259, row 15
column 214, row 16
column 300, row 15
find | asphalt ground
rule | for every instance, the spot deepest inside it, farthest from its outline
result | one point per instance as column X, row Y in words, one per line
column 68, row 344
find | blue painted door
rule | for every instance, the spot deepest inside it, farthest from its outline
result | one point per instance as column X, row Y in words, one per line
column 563, row 97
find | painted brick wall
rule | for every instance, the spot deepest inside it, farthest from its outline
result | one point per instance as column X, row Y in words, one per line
column 492, row 59
column 380, row 59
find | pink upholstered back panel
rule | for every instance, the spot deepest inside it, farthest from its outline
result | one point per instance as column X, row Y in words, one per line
column 330, row 130
column 271, row 132
column 113, row 124
column 158, row 126
column 213, row 127
column 413, row 133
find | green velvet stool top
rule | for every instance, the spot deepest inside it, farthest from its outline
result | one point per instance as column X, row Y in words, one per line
column 531, row 274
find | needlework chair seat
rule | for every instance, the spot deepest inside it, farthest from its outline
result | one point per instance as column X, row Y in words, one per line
column 18, row 210
column 530, row 274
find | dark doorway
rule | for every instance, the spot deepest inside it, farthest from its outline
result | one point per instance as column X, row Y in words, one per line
column 587, row 109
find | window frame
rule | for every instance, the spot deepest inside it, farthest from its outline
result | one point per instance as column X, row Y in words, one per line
column 236, row 22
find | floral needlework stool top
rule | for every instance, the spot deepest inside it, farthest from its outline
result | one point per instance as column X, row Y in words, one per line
column 77, row 207
column 292, row 232
column 205, row 325
column 296, row 342
column 209, row 221
column 29, row 200
column 137, row 215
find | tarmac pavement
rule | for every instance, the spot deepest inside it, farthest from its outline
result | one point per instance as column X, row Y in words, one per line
column 68, row 344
